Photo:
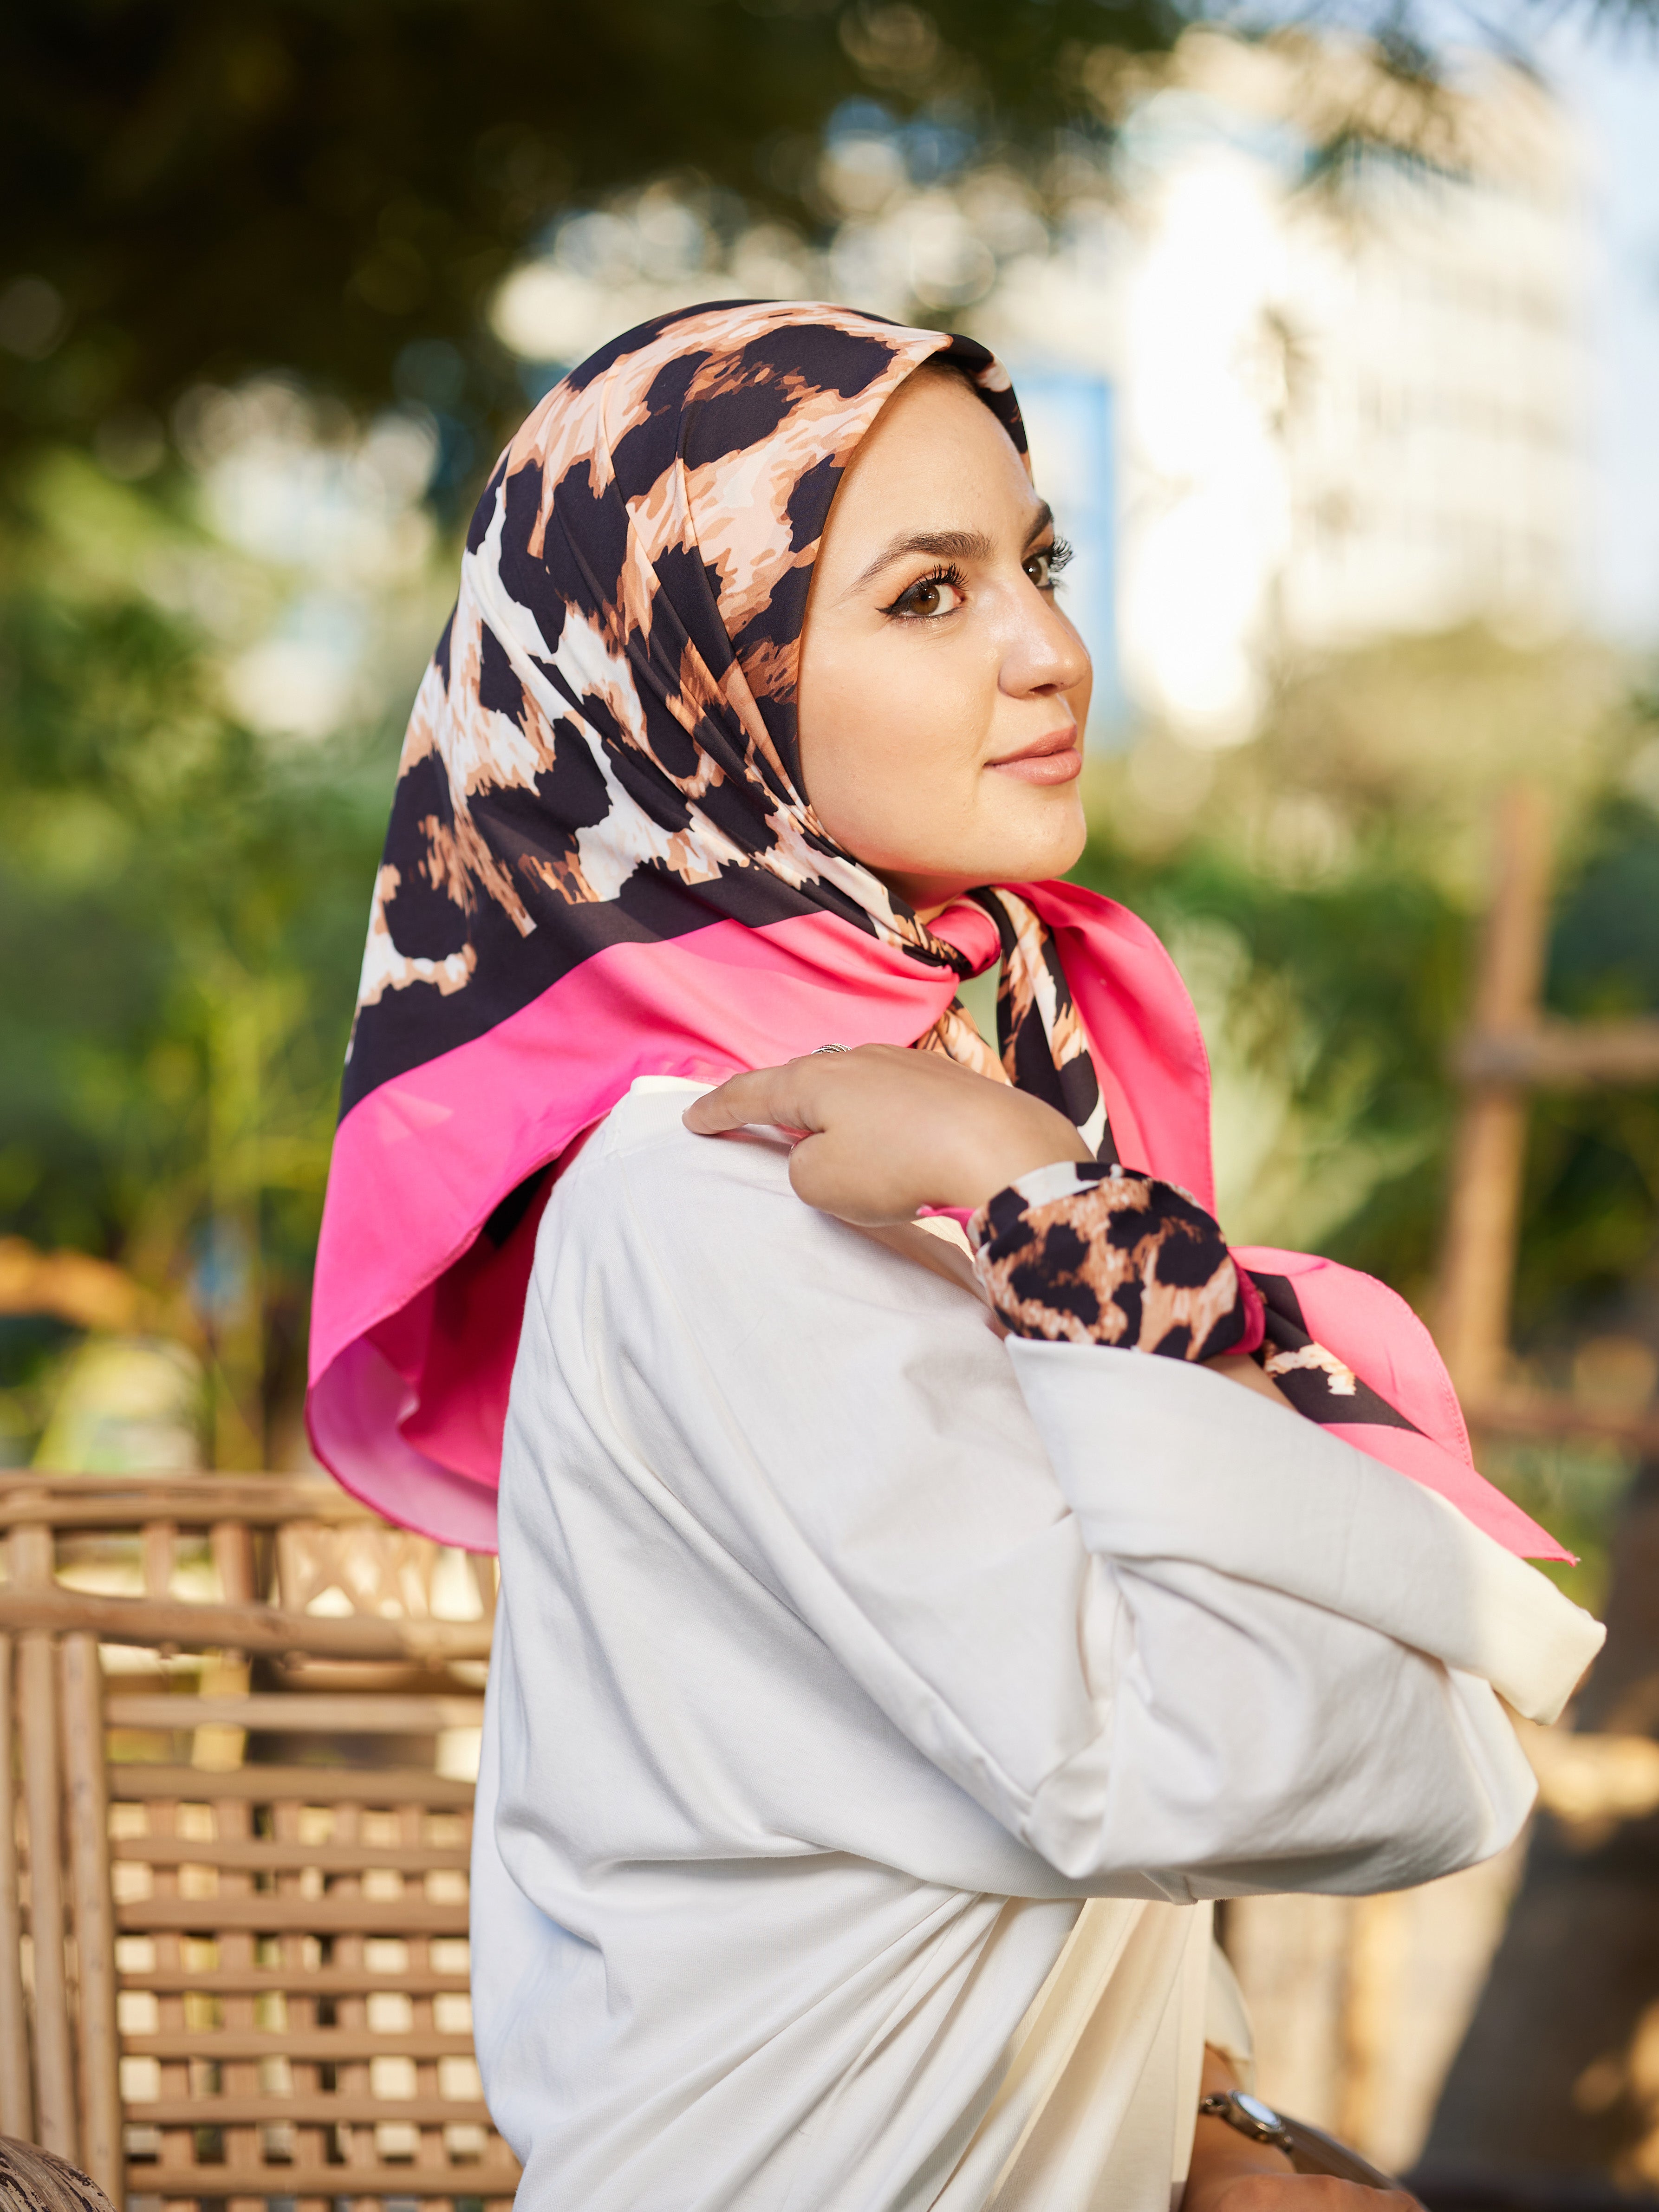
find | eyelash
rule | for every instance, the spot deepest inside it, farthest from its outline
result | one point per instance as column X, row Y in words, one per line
column 1058, row 556
column 948, row 574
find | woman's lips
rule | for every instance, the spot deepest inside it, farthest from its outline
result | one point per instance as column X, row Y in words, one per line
column 1053, row 759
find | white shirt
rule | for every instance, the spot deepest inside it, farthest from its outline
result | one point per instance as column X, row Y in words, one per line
column 846, row 1650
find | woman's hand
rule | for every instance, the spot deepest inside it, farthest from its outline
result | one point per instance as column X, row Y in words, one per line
column 1231, row 2172
column 1261, row 2192
column 887, row 1130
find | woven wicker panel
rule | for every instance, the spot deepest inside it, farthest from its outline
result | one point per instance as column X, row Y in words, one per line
column 292, row 1962
column 371, row 1568
column 233, row 1921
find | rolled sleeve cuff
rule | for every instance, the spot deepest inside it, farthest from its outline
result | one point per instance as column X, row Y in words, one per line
column 1079, row 1253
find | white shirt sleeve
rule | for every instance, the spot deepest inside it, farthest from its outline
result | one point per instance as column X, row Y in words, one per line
column 1175, row 1641
column 1227, row 2018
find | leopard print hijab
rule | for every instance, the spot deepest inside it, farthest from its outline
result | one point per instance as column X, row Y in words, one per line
column 605, row 741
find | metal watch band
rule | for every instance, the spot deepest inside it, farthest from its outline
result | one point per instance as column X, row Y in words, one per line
column 1250, row 2115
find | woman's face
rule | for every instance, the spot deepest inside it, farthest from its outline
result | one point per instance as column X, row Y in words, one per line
column 942, row 692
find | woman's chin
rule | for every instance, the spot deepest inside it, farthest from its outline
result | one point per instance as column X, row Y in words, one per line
column 1029, row 835
column 1040, row 832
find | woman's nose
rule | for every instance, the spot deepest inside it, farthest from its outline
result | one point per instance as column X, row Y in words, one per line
column 1045, row 653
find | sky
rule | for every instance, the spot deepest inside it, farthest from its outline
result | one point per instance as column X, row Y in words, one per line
column 1610, row 81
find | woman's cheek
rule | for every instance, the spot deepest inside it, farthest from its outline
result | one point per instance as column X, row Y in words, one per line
column 902, row 708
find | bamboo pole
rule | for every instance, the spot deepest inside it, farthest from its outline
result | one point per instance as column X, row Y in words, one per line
column 159, row 1546
column 260, row 1855
column 1533, row 1414
column 360, row 2145
column 345, row 1712
column 224, row 1747
column 493, row 2179
column 300, row 2009
column 1557, row 1055
column 95, row 1919
column 1478, row 1264
column 68, row 1500
column 343, row 1912
column 320, row 1981
column 243, row 1626
column 172, row 2177
column 311, row 1785
column 16, row 2114
column 431, row 2152
column 54, row 2073
column 29, row 1560
column 315, row 2113
column 329, row 2046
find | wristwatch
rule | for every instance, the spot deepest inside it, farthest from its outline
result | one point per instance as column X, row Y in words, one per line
column 1251, row 2115
column 1310, row 2149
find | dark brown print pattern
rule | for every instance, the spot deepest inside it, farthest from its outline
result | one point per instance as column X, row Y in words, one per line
column 1111, row 1258
column 1101, row 1255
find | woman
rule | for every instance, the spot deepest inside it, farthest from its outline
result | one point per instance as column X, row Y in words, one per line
column 897, row 1650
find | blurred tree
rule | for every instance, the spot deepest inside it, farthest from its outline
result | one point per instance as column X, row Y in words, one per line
column 1581, row 1951
column 1320, row 889
column 1343, row 854
column 182, row 906
column 194, row 191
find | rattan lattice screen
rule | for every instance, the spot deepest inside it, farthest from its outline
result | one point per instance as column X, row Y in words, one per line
column 260, row 1991
column 291, row 1968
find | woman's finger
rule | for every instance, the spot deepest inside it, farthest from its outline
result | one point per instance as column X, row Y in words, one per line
column 888, row 1130
column 783, row 1097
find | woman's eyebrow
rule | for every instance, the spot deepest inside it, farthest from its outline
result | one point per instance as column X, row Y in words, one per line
column 947, row 545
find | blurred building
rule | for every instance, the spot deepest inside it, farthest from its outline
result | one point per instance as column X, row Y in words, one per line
column 1344, row 327
column 1305, row 363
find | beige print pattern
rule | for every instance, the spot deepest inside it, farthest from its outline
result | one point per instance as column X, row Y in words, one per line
column 1339, row 1379
column 1093, row 1266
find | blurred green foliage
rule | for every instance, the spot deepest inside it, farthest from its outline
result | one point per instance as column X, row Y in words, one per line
column 1359, row 986
column 214, row 190
column 1351, row 991
column 1335, row 970
column 182, row 906
column 199, row 192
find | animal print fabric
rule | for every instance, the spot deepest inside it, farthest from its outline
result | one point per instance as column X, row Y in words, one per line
column 1318, row 1384
column 1084, row 1254
column 603, row 748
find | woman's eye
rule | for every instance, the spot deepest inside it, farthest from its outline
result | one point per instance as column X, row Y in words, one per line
column 930, row 597
column 1043, row 567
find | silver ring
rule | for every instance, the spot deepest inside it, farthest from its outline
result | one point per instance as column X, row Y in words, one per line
column 817, row 1049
